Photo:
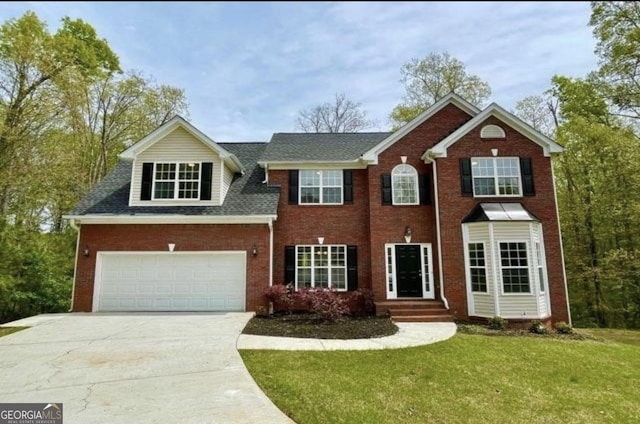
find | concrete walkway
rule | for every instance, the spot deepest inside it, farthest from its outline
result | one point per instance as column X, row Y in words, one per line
column 135, row 368
column 409, row 334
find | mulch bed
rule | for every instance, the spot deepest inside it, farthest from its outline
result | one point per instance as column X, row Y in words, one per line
column 310, row 326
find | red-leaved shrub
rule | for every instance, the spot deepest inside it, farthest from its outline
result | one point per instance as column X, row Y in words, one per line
column 328, row 304
column 280, row 296
column 361, row 302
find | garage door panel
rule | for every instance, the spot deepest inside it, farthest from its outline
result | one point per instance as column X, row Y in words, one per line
column 171, row 282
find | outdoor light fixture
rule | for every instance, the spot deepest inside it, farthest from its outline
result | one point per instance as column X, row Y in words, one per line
column 407, row 234
column 320, row 240
column 172, row 246
column 254, row 250
column 85, row 252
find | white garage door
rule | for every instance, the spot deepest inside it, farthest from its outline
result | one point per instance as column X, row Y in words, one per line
column 202, row 281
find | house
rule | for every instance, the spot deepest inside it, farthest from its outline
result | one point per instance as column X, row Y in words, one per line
column 452, row 216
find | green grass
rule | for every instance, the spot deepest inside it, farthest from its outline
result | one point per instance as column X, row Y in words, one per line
column 4, row 331
column 467, row 379
column 631, row 337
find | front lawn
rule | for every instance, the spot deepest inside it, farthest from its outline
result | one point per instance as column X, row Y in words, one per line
column 309, row 326
column 631, row 337
column 467, row 379
column 4, row 331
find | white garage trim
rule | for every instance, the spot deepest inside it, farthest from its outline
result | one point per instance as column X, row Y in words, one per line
column 100, row 256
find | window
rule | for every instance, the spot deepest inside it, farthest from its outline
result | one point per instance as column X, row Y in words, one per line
column 404, row 180
column 540, row 267
column 477, row 267
column 496, row 176
column 183, row 176
column 515, row 270
column 318, row 187
column 321, row 266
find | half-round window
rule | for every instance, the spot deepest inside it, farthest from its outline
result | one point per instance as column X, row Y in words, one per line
column 404, row 182
column 492, row 131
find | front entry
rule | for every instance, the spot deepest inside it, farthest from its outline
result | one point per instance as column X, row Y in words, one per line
column 409, row 272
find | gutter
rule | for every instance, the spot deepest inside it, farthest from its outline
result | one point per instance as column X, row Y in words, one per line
column 438, row 235
column 271, row 253
column 73, row 225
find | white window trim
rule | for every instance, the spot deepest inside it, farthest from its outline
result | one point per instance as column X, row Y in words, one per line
column 468, row 265
column 329, row 267
column 176, row 181
column 541, row 265
column 531, row 291
column 320, row 187
column 495, row 177
column 417, row 188
column 390, row 270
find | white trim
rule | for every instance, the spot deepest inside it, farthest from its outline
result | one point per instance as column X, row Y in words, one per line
column 497, row 276
column 527, row 248
column 97, row 282
column 438, row 236
column 320, row 187
column 468, row 264
column 426, row 294
column 451, row 98
column 270, row 253
column 177, row 121
column 133, row 168
column 172, row 219
column 496, row 177
column 499, row 132
column 176, row 181
column 548, row 145
column 415, row 182
column 564, row 271
column 75, row 263
column 545, row 270
column 329, row 267
column 471, row 306
column 220, row 186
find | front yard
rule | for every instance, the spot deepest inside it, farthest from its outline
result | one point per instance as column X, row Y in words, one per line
column 467, row 379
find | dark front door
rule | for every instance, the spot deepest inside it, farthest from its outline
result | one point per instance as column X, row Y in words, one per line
column 408, row 270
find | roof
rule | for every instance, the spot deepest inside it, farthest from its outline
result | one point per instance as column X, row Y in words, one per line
column 177, row 121
column 451, row 98
column 548, row 145
column 499, row 212
column 320, row 147
column 247, row 194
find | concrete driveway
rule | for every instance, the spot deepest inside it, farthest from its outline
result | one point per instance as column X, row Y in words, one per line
column 135, row 368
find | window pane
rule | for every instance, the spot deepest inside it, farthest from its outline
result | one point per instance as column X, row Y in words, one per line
column 321, row 278
column 478, row 280
column 484, row 186
column 515, row 280
column 188, row 190
column 332, row 178
column 507, row 167
column 482, row 167
column 304, row 255
column 304, row 277
column 321, row 256
column 165, row 171
column 541, row 279
column 508, row 186
column 309, row 195
column 331, row 195
column 338, row 280
column 404, row 181
column 164, row 190
column 337, row 256
column 309, row 178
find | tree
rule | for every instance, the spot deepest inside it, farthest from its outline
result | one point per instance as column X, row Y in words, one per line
column 340, row 116
column 428, row 80
column 616, row 26
column 541, row 112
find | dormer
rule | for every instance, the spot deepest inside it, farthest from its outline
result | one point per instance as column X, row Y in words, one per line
column 178, row 165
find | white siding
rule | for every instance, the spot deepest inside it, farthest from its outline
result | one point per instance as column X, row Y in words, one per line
column 483, row 303
column 227, row 177
column 181, row 146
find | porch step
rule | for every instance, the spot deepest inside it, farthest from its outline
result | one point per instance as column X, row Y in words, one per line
column 414, row 310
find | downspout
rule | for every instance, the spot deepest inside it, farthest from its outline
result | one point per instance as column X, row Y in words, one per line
column 564, row 271
column 72, row 224
column 266, row 174
column 271, row 252
column 438, row 237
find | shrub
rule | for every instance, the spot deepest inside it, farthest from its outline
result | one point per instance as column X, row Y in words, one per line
column 328, row 304
column 498, row 323
column 563, row 328
column 361, row 302
column 538, row 327
column 280, row 296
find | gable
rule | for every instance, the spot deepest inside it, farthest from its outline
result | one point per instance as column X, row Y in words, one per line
column 178, row 145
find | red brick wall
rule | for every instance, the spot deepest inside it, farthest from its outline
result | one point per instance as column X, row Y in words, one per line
column 187, row 237
column 454, row 207
column 303, row 224
column 388, row 222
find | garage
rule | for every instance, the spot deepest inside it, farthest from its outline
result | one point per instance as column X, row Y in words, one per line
column 170, row 281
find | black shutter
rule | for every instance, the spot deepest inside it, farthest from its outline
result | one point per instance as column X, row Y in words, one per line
column 352, row 268
column 386, row 189
column 147, row 181
column 205, row 180
column 290, row 265
column 347, row 182
column 425, row 189
column 293, row 187
column 527, row 177
column 466, row 181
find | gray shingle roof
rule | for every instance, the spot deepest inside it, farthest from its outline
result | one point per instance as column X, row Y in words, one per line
column 327, row 147
column 246, row 196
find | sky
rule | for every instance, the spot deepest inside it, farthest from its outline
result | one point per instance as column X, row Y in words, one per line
column 248, row 68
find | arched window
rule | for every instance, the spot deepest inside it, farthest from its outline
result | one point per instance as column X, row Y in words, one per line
column 404, row 181
column 492, row 131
